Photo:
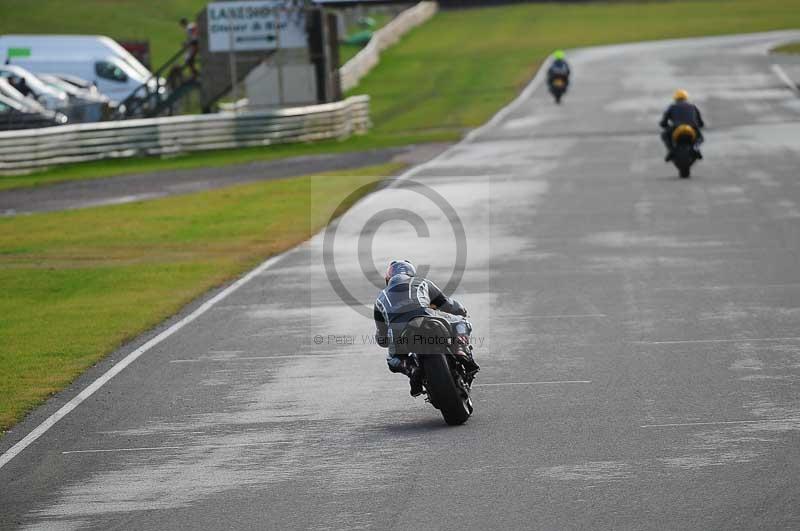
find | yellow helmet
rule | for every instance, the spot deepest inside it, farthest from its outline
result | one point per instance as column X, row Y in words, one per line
column 680, row 95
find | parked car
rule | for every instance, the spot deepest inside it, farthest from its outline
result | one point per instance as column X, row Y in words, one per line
column 96, row 58
column 27, row 101
column 81, row 89
column 86, row 103
column 77, row 82
column 14, row 115
column 30, row 85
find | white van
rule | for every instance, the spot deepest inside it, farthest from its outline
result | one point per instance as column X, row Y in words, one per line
column 95, row 58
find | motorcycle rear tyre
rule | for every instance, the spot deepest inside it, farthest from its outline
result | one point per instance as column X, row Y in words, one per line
column 446, row 394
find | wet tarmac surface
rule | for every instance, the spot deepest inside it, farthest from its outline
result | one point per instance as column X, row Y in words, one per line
column 639, row 336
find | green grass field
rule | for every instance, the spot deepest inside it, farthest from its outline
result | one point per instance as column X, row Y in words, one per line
column 78, row 284
column 788, row 48
column 454, row 72
column 444, row 78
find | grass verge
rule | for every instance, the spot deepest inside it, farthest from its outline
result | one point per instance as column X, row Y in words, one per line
column 78, row 284
column 455, row 71
column 793, row 48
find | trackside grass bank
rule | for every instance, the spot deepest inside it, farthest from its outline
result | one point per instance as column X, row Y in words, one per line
column 445, row 77
column 788, row 48
column 458, row 69
column 77, row 285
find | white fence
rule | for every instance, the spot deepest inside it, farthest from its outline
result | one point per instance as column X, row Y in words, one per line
column 27, row 150
column 357, row 67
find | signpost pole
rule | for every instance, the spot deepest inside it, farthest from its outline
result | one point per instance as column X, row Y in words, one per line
column 232, row 64
column 278, row 56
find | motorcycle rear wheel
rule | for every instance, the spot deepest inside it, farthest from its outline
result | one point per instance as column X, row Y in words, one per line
column 447, row 396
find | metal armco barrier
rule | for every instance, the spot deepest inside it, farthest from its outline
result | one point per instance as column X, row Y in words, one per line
column 27, row 150
column 357, row 67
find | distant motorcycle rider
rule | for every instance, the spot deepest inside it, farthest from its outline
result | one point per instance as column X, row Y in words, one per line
column 681, row 112
column 558, row 68
column 406, row 297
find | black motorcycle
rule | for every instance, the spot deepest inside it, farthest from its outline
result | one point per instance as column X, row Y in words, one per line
column 444, row 377
column 684, row 151
column 558, row 87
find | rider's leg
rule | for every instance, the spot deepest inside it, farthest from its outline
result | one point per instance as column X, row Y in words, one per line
column 463, row 329
column 402, row 364
column 700, row 139
column 397, row 363
column 666, row 138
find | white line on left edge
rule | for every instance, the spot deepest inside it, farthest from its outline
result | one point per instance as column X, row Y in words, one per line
column 781, row 73
column 42, row 428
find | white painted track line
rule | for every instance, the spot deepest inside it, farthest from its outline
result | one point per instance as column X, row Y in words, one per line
column 718, row 423
column 164, row 448
column 555, row 382
column 781, row 73
column 727, row 287
column 742, row 340
column 112, row 450
column 568, row 316
column 279, row 357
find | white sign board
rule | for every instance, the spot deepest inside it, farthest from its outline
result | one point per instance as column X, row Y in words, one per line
column 256, row 25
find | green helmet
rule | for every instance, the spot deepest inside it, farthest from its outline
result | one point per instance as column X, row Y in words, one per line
column 559, row 54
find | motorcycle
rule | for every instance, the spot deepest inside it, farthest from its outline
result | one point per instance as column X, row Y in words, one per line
column 444, row 378
column 558, row 87
column 684, row 152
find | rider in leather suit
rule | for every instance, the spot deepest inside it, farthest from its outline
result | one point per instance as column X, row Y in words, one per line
column 407, row 296
column 682, row 112
column 558, row 68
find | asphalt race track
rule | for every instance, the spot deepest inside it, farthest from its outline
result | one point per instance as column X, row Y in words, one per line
column 639, row 336
column 89, row 193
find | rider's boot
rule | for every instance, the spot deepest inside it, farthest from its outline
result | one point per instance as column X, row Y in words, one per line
column 414, row 377
column 668, row 157
column 415, row 380
column 464, row 356
column 405, row 366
